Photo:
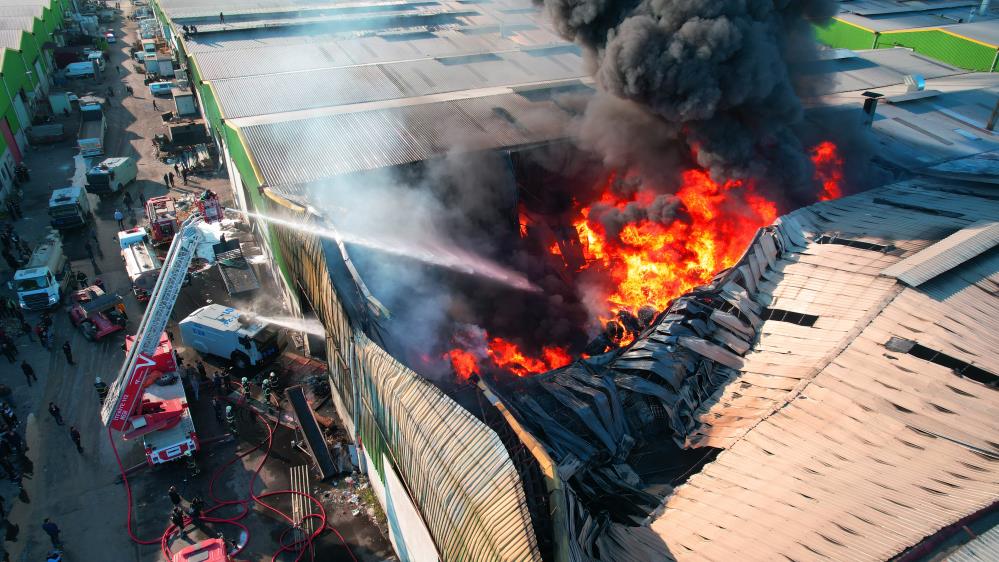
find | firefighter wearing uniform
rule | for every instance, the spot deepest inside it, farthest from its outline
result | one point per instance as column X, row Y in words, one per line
column 102, row 389
column 230, row 420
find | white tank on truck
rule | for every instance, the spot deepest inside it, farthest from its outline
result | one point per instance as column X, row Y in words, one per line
column 41, row 282
column 226, row 332
column 141, row 263
column 111, row 175
column 69, row 208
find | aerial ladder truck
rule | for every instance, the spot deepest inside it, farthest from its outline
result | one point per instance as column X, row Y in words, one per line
column 147, row 398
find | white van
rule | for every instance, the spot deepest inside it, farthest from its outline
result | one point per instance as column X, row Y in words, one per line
column 80, row 69
column 161, row 88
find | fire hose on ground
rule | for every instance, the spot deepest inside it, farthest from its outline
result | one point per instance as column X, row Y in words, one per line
column 301, row 546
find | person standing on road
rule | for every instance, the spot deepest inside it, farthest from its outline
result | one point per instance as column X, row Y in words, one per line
column 10, row 351
column 174, row 496
column 119, row 217
column 171, row 179
column 68, row 350
column 54, row 410
column 128, row 201
column 29, row 373
column 154, row 106
column 176, row 167
column 184, row 174
column 52, row 530
column 142, row 199
column 89, row 249
column 74, row 434
column 166, row 180
column 202, row 371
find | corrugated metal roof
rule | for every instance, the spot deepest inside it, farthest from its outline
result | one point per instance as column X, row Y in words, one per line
column 25, row 23
column 18, row 11
column 835, row 446
column 10, row 38
column 278, row 93
column 983, row 548
column 963, row 245
column 293, row 153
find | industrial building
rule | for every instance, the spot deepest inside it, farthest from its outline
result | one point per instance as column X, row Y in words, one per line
column 29, row 30
column 833, row 395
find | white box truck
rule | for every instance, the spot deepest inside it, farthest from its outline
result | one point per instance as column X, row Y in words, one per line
column 92, row 128
column 69, row 208
column 141, row 263
column 41, row 283
column 111, row 175
column 228, row 333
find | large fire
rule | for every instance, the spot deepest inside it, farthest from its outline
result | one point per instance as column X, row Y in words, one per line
column 652, row 263
column 648, row 263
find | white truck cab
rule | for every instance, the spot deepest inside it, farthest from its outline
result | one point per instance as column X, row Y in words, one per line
column 226, row 332
column 41, row 282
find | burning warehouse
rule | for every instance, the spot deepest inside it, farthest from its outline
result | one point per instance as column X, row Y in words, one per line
column 574, row 316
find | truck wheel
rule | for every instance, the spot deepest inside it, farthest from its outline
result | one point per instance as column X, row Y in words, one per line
column 240, row 360
column 89, row 331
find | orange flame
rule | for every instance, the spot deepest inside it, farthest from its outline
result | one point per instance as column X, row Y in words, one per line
column 652, row 263
column 464, row 363
column 506, row 355
column 828, row 170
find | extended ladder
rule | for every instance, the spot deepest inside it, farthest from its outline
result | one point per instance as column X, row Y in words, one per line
column 125, row 392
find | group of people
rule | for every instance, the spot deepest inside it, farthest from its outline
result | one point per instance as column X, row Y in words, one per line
column 182, row 169
column 195, row 510
column 13, row 248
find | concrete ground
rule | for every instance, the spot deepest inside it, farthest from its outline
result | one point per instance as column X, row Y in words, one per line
column 81, row 492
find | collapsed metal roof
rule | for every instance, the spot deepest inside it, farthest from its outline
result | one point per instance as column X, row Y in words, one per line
column 855, row 415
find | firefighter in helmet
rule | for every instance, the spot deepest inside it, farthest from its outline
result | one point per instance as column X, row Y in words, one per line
column 102, row 389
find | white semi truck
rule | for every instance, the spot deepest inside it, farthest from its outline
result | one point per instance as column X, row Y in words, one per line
column 41, row 283
column 226, row 332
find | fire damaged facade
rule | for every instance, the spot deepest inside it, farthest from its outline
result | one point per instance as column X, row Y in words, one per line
column 818, row 383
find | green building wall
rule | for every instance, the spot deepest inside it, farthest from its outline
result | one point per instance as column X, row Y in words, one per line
column 944, row 45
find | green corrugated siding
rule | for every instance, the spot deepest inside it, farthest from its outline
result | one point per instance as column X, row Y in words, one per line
column 844, row 36
column 942, row 46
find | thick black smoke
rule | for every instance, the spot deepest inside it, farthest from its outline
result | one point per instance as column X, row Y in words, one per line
column 714, row 72
column 663, row 210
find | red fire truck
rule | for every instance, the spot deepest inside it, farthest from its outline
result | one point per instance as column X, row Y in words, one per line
column 147, row 398
column 162, row 215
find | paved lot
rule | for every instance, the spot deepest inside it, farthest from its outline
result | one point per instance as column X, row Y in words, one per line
column 82, row 492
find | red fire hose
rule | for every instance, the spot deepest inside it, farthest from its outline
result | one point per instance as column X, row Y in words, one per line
column 301, row 546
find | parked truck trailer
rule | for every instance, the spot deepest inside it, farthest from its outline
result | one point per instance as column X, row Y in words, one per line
column 92, row 129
